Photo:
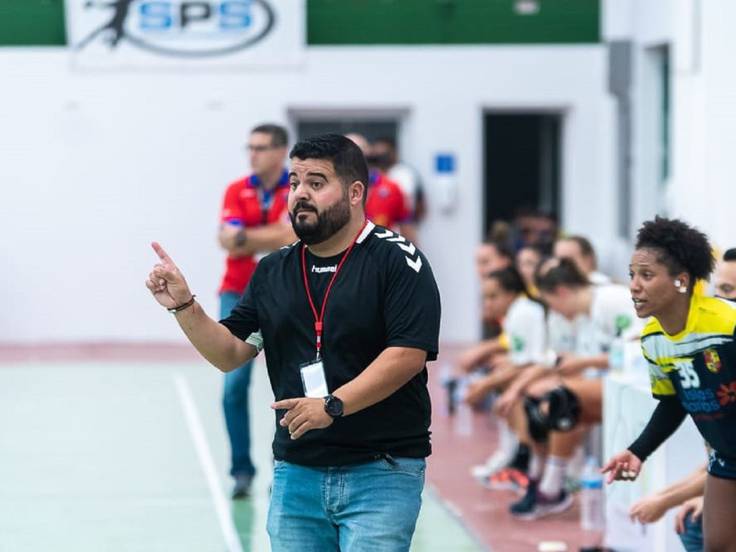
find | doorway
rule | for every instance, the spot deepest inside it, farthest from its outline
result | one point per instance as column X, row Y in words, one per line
column 521, row 165
column 372, row 129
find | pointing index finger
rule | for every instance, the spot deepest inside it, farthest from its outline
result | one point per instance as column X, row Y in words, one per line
column 286, row 404
column 161, row 253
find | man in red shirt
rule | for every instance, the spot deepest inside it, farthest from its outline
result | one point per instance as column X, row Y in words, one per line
column 384, row 155
column 386, row 204
column 254, row 220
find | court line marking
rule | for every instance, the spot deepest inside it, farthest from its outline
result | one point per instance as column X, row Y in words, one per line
column 207, row 463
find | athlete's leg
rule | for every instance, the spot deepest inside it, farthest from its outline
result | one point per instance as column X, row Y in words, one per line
column 719, row 513
column 590, row 395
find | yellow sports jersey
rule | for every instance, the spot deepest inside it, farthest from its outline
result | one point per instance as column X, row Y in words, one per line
column 698, row 365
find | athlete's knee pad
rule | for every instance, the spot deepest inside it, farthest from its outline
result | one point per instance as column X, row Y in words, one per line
column 563, row 409
column 536, row 420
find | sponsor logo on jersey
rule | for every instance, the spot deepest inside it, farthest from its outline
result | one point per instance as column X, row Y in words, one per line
column 623, row 321
column 727, row 393
column 712, row 360
column 405, row 246
column 517, row 343
column 323, row 269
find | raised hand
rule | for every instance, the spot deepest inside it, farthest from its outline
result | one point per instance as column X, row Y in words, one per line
column 625, row 466
column 166, row 283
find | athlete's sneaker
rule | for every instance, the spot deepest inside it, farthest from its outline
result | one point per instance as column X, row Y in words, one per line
column 526, row 503
column 241, row 489
column 535, row 505
column 548, row 506
column 497, row 461
column 507, row 479
column 521, row 458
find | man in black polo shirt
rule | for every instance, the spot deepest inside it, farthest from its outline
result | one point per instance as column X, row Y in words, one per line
column 349, row 315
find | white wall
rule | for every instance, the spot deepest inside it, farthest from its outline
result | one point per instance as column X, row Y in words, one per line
column 703, row 91
column 96, row 165
column 707, row 124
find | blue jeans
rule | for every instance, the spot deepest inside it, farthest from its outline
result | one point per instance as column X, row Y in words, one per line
column 369, row 507
column 235, row 404
column 692, row 538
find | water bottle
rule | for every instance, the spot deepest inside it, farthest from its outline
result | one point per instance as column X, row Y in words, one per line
column 449, row 382
column 463, row 423
column 464, row 420
column 591, row 497
column 616, row 354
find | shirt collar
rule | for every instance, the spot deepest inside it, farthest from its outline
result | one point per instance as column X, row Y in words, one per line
column 256, row 182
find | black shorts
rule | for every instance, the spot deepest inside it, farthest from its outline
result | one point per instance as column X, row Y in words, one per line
column 720, row 466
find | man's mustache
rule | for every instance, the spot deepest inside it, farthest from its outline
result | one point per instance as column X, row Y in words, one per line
column 302, row 206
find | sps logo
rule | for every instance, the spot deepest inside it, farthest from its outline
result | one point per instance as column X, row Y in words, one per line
column 182, row 28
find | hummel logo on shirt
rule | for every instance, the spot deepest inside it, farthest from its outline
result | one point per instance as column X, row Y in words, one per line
column 323, row 269
column 406, row 247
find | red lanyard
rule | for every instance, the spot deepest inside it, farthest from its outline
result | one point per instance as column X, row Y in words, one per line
column 319, row 319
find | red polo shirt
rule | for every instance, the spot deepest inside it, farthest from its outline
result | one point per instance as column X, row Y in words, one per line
column 385, row 205
column 249, row 205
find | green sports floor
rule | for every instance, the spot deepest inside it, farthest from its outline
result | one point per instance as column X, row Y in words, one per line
column 132, row 456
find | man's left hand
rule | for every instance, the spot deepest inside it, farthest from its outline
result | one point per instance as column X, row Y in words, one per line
column 303, row 415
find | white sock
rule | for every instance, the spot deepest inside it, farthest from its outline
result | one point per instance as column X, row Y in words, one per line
column 554, row 474
column 504, row 454
column 576, row 464
column 508, row 439
column 507, row 442
column 536, row 463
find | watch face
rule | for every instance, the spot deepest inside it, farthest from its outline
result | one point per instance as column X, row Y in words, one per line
column 333, row 406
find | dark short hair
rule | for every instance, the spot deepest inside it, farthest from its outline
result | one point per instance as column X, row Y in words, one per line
column 509, row 279
column 502, row 248
column 279, row 135
column 544, row 250
column 346, row 157
column 730, row 255
column 559, row 272
column 680, row 247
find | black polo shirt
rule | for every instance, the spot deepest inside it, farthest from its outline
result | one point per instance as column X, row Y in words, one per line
column 384, row 296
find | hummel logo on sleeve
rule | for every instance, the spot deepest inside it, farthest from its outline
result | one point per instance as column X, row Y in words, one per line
column 408, row 247
column 415, row 265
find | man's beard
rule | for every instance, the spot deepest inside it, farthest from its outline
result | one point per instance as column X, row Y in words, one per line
column 329, row 222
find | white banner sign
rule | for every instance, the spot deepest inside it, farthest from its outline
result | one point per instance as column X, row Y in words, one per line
column 185, row 33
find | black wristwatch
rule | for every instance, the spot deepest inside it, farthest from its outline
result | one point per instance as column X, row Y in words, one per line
column 240, row 238
column 333, row 406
